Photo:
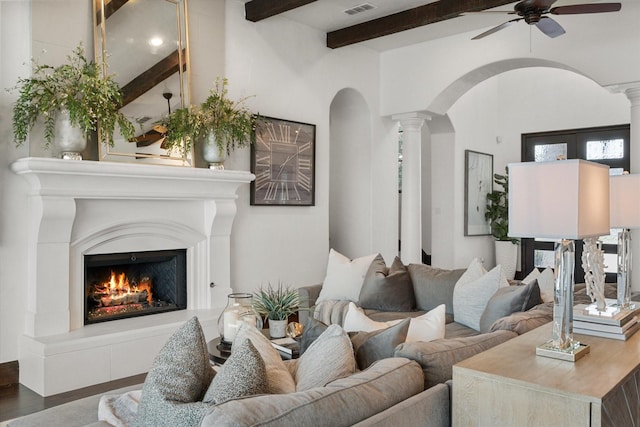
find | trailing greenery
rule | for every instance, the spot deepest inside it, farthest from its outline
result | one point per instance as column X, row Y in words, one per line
column 498, row 208
column 77, row 86
column 231, row 122
column 276, row 303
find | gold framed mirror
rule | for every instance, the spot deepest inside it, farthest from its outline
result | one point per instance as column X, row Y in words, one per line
column 145, row 44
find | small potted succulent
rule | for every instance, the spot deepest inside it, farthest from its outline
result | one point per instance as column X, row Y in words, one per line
column 221, row 123
column 276, row 305
column 72, row 99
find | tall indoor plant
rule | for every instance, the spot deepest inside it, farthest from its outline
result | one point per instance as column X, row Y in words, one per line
column 276, row 305
column 497, row 213
column 71, row 99
column 221, row 123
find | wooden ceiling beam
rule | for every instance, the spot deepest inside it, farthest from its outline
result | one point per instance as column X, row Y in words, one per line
column 109, row 9
column 152, row 77
column 257, row 10
column 407, row 20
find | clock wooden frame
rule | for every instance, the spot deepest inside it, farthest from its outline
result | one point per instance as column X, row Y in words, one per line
column 283, row 160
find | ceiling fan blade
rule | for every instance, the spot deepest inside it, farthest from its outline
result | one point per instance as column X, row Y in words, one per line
column 550, row 27
column 586, row 8
column 495, row 29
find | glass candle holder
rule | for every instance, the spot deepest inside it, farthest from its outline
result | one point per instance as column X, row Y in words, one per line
column 239, row 309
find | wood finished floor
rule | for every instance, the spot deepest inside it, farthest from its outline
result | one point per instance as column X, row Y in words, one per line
column 17, row 400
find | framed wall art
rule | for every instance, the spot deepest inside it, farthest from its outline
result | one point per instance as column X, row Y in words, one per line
column 283, row 160
column 478, row 182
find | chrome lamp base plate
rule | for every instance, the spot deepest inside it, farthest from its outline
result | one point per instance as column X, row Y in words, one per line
column 548, row 350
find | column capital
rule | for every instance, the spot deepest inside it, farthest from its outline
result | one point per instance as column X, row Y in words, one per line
column 411, row 121
column 631, row 90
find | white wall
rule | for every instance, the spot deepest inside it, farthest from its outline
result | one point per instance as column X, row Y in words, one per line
column 292, row 75
column 502, row 108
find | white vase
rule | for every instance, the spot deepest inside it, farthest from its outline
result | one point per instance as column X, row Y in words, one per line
column 212, row 153
column 277, row 328
column 507, row 257
column 68, row 140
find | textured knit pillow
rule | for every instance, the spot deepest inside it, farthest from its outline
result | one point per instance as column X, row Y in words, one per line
column 243, row 374
column 279, row 378
column 369, row 347
column 508, row 300
column 329, row 358
column 178, row 378
column 344, row 277
column 387, row 289
column 470, row 297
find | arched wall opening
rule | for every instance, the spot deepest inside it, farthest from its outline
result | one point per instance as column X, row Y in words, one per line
column 350, row 174
column 488, row 110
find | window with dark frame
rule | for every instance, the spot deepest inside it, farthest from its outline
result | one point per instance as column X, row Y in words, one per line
column 608, row 145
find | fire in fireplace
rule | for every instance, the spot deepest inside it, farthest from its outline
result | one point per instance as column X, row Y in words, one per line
column 123, row 285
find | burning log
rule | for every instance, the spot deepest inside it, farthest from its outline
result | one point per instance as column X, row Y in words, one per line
column 123, row 299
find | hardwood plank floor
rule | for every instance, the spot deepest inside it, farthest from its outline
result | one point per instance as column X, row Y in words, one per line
column 17, row 400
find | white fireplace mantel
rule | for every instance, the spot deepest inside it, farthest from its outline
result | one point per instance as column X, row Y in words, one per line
column 79, row 208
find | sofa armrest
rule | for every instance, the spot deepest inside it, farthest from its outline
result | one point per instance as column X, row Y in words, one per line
column 438, row 357
column 308, row 297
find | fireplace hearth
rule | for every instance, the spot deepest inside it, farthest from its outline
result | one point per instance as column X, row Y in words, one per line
column 123, row 285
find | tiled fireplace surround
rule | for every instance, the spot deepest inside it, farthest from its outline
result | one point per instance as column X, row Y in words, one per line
column 79, row 208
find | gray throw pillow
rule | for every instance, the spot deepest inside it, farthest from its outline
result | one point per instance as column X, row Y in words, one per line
column 381, row 344
column 243, row 374
column 387, row 289
column 178, row 378
column 508, row 300
column 329, row 358
column 433, row 286
column 313, row 328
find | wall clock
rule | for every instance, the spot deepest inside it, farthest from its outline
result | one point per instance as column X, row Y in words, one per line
column 283, row 160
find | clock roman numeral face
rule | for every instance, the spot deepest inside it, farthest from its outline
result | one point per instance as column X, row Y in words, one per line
column 283, row 160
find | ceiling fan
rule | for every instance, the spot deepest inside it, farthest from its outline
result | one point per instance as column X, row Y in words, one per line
column 534, row 13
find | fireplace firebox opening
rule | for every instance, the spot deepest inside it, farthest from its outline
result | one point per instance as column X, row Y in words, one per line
column 123, row 285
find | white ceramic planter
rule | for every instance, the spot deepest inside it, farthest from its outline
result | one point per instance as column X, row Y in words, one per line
column 68, row 140
column 507, row 257
column 277, row 328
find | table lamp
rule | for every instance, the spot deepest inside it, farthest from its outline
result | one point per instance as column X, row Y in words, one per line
column 567, row 200
column 625, row 214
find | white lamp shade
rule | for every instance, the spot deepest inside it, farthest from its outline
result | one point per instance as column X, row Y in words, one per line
column 625, row 201
column 564, row 199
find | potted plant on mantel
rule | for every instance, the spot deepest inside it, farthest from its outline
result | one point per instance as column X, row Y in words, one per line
column 221, row 123
column 72, row 99
column 276, row 305
column 497, row 213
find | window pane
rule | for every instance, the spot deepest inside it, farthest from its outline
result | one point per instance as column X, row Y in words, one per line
column 543, row 259
column 612, row 238
column 548, row 152
column 605, row 149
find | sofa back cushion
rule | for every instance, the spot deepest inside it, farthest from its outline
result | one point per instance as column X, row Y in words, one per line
column 343, row 402
column 433, row 286
column 387, row 289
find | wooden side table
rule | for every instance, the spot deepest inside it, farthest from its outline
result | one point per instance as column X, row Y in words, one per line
column 509, row 385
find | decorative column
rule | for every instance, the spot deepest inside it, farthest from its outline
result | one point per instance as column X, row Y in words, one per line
column 633, row 93
column 411, row 203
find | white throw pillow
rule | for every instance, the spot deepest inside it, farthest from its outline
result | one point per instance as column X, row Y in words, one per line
column 535, row 273
column 475, row 271
column 428, row 327
column 546, row 283
column 344, row 277
column 471, row 297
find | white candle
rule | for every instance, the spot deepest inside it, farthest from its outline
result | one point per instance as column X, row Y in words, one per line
column 230, row 325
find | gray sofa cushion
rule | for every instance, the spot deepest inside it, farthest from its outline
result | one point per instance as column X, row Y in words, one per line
column 341, row 403
column 433, row 286
column 372, row 346
column 387, row 289
column 507, row 300
column 438, row 357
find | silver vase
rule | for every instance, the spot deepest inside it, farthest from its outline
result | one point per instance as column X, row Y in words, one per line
column 68, row 140
column 212, row 153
